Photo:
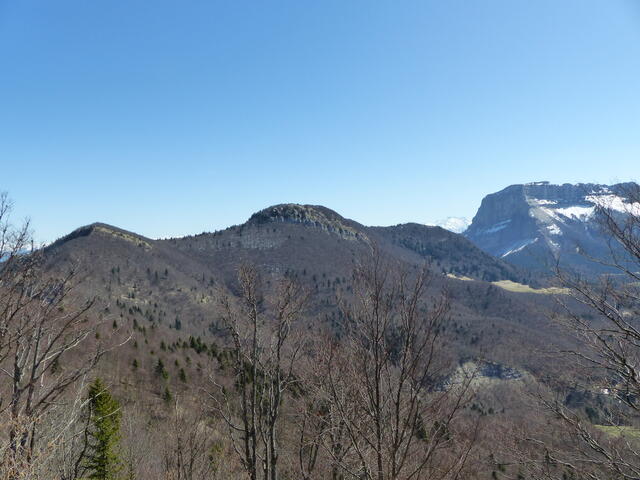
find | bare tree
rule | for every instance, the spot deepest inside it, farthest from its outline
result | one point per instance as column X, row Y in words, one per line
column 264, row 353
column 46, row 346
column 15, row 269
column 323, row 441
column 189, row 453
column 388, row 411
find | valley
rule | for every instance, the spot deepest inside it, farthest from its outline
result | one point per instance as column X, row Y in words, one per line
column 161, row 312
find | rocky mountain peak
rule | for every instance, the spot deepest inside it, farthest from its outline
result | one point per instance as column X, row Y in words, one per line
column 310, row 215
column 534, row 223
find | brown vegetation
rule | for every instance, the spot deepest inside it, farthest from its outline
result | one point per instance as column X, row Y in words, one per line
column 312, row 349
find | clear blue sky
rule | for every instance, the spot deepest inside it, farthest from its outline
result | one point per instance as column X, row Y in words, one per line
column 170, row 118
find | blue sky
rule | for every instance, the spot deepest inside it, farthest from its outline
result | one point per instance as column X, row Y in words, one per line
column 170, row 118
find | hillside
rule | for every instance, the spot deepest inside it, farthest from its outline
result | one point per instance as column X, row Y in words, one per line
column 159, row 301
column 314, row 238
column 448, row 252
column 171, row 287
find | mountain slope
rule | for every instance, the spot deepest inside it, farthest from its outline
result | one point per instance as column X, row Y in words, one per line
column 447, row 252
column 538, row 224
column 166, row 294
column 171, row 286
column 309, row 238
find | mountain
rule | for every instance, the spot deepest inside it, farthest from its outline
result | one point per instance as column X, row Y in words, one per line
column 170, row 287
column 454, row 224
column 158, row 302
column 314, row 238
column 448, row 252
column 538, row 224
column 166, row 296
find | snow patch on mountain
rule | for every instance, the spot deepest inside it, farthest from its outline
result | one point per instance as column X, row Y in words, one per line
column 497, row 227
column 518, row 247
column 542, row 201
column 554, row 229
column 615, row 203
column 575, row 212
column 583, row 209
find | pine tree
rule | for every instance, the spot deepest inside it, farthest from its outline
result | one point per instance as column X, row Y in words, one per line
column 166, row 396
column 160, row 370
column 103, row 459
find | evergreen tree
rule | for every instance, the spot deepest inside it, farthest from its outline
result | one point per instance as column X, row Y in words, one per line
column 166, row 396
column 103, row 460
column 160, row 370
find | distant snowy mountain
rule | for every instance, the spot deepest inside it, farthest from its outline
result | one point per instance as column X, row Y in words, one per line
column 537, row 224
column 24, row 251
column 453, row 224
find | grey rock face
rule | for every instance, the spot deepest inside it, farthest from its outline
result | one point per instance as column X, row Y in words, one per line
column 310, row 215
column 537, row 225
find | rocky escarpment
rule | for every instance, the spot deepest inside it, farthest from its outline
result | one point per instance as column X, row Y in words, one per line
column 315, row 238
column 536, row 225
column 311, row 215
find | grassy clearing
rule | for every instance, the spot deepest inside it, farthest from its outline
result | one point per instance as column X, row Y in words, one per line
column 518, row 287
column 451, row 275
column 619, row 431
column 521, row 288
column 125, row 236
